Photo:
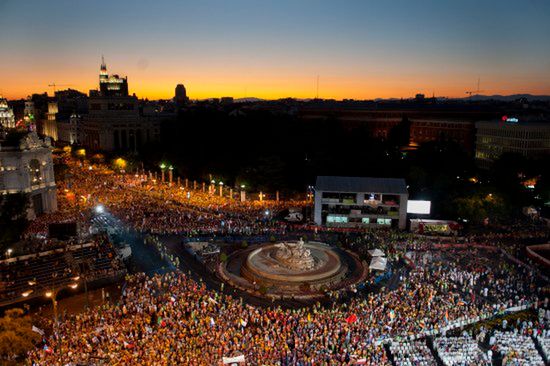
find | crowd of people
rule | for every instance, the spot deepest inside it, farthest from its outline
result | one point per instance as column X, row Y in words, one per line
column 461, row 351
column 414, row 353
column 517, row 349
column 149, row 206
column 171, row 319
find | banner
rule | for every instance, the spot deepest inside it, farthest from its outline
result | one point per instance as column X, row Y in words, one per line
column 236, row 359
column 37, row 330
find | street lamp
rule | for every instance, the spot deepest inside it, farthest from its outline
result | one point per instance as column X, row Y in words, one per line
column 51, row 293
column 162, row 168
column 221, row 188
column 8, row 252
column 170, row 175
column 99, row 209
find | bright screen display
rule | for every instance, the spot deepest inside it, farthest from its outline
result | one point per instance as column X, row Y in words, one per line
column 419, row 207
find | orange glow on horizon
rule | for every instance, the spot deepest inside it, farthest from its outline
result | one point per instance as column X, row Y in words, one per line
column 263, row 84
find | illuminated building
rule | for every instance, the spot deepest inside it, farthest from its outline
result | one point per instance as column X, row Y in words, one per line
column 49, row 124
column 29, row 114
column 361, row 202
column 7, row 118
column 114, row 121
column 510, row 135
column 26, row 167
column 111, row 85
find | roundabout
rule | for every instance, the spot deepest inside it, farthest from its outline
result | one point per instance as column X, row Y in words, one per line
column 292, row 269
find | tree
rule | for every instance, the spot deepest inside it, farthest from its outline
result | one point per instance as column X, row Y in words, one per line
column 400, row 134
column 16, row 336
column 13, row 218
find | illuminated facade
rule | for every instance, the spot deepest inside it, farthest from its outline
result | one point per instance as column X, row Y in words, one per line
column 493, row 138
column 27, row 167
column 111, row 85
column 114, row 121
column 7, row 118
column 361, row 202
column 49, row 124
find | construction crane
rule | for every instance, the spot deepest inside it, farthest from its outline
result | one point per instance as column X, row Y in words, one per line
column 470, row 92
column 54, row 85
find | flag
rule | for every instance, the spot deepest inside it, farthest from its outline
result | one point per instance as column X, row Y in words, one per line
column 243, row 323
column 392, row 314
column 37, row 330
column 351, row 319
column 212, row 300
column 212, row 322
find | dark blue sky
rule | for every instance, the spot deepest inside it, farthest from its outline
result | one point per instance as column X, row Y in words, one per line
column 360, row 49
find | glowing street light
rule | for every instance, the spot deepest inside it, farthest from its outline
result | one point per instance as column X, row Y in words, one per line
column 162, row 168
column 99, row 209
column 8, row 252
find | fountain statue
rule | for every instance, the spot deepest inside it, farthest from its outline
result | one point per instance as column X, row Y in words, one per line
column 294, row 256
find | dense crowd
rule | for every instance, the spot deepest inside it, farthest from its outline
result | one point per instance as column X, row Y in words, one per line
column 171, row 319
column 148, row 206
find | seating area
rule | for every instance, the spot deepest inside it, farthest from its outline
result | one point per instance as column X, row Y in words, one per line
column 517, row 349
column 544, row 342
column 460, row 351
column 412, row 353
column 32, row 275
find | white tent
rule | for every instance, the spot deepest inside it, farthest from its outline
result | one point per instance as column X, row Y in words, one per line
column 376, row 253
column 378, row 263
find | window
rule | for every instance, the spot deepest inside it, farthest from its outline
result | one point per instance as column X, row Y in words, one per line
column 365, row 220
column 34, row 172
column 383, row 221
column 337, row 219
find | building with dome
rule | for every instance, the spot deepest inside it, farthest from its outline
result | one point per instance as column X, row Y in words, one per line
column 7, row 118
column 26, row 166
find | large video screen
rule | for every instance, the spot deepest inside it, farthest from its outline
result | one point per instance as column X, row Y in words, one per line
column 419, row 207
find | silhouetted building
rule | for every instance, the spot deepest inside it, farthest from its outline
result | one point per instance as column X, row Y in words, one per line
column 227, row 100
column 181, row 95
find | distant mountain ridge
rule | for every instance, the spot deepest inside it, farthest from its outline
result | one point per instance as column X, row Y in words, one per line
column 507, row 98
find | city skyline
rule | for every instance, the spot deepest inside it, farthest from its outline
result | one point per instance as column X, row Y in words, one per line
column 365, row 50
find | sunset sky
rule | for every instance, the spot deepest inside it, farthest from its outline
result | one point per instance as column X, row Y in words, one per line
column 272, row 49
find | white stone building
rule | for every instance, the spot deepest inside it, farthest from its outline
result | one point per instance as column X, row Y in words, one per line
column 26, row 166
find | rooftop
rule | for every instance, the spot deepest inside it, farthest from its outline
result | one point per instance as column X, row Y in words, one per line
column 361, row 184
